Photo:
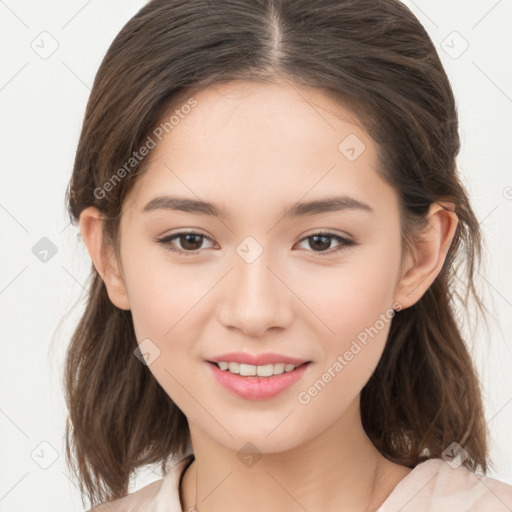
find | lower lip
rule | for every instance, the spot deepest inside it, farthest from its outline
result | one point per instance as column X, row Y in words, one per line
column 254, row 387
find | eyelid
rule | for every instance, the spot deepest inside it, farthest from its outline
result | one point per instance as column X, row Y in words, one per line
column 327, row 232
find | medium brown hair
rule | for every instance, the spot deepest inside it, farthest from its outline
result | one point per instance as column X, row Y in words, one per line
column 378, row 61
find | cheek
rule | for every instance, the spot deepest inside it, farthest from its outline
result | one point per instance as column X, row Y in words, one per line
column 166, row 308
column 162, row 293
column 354, row 304
column 350, row 298
column 360, row 314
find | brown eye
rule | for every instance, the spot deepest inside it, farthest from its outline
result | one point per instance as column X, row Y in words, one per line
column 190, row 242
column 321, row 242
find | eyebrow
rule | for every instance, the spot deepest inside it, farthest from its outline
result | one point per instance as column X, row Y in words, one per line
column 329, row 204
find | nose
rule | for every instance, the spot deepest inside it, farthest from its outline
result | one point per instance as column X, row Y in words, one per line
column 255, row 298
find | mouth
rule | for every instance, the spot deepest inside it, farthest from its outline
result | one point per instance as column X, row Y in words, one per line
column 249, row 370
column 256, row 382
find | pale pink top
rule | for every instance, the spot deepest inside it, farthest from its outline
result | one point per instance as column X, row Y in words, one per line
column 432, row 486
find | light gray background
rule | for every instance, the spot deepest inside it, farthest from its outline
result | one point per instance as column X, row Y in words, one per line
column 43, row 100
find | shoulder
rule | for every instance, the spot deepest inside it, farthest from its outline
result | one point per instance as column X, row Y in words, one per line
column 435, row 485
column 135, row 501
column 154, row 495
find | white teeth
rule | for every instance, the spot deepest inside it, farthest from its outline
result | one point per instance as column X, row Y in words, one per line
column 234, row 367
column 245, row 369
column 265, row 370
column 279, row 368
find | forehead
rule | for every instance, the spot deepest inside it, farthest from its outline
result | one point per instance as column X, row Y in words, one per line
column 241, row 109
column 255, row 142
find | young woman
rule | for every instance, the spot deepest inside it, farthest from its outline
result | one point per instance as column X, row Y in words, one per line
column 269, row 196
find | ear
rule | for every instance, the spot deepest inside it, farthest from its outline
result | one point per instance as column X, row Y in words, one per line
column 429, row 254
column 103, row 257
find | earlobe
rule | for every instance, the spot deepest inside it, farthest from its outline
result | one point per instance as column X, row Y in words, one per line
column 103, row 258
column 429, row 254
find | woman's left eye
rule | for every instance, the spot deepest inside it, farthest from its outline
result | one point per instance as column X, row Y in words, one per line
column 319, row 239
column 189, row 238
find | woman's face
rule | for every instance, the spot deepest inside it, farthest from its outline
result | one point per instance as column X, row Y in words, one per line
column 257, row 280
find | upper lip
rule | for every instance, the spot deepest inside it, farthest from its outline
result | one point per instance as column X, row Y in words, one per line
column 257, row 359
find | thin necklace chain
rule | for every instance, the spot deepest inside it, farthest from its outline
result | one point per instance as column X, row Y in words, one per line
column 194, row 508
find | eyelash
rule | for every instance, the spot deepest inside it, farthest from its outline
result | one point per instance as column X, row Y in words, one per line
column 165, row 241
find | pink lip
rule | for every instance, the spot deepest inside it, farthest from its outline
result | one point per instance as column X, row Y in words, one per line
column 256, row 360
column 254, row 387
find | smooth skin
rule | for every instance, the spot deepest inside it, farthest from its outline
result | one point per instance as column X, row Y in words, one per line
column 256, row 149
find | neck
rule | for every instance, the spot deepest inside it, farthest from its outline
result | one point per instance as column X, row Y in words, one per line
column 338, row 470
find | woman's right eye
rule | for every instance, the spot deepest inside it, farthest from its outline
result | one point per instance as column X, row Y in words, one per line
column 189, row 241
